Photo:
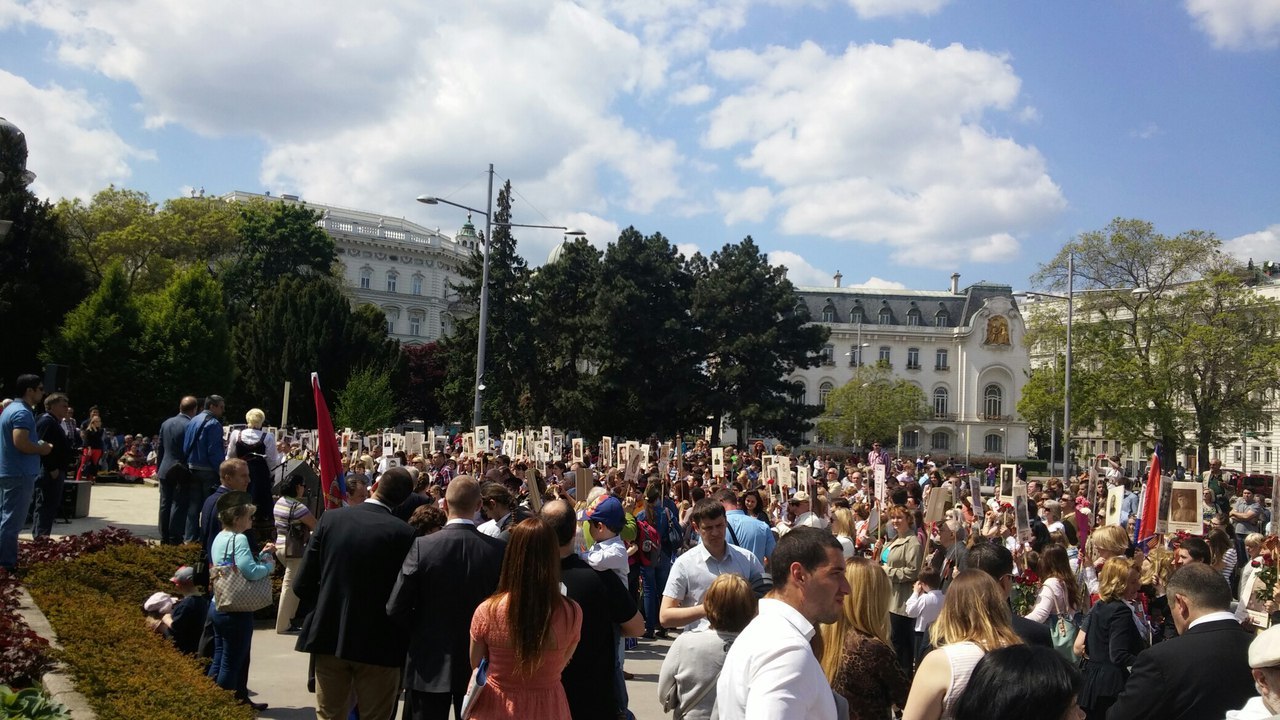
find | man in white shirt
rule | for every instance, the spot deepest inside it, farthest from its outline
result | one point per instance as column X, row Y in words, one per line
column 695, row 570
column 770, row 672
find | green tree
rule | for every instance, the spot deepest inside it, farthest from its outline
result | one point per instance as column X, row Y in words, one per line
column 299, row 326
column 366, row 404
column 871, row 407
column 40, row 279
column 276, row 240
column 509, row 365
column 1168, row 335
column 649, row 375
column 186, row 343
column 564, row 331
column 425, row 375
column 744, row 310
column 99, row 341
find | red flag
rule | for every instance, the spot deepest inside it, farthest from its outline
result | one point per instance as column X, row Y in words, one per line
column 1146, row 526
column 332, row 483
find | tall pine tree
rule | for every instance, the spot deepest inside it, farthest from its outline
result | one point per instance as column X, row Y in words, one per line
column 744, row 309
column 566, row 339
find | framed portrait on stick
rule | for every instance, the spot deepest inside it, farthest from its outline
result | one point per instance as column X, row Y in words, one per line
column 938, row 503
column 1008, row 476
column 1021, row 512
column 975, row 493
column 606, row 451
column 717, row 463
column 578, row 448
column 1254, row 596
column 1115, row 496
column 1166, row 497
column 1184, row 508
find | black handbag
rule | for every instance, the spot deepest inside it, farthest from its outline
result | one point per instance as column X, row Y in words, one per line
column 295, row 540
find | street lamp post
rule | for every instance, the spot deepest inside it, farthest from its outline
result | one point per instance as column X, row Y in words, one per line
column 483, row 328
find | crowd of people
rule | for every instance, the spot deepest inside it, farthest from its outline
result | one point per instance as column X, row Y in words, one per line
column 484, row 585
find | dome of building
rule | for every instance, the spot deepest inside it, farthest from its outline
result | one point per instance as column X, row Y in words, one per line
column 557, row 252
column 467, row 235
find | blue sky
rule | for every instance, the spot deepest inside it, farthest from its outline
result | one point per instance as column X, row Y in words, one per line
column 897, row 141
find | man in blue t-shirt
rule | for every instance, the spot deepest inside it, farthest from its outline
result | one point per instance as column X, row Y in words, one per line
column 20, row 453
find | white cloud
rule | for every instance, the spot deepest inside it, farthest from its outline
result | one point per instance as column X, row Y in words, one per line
column 71, row 147
column 1146, row 132
column 370, row 105
column 692, row 95
column 687, row 249
column 895, row 8
column 1029, row 115
column 885, row 144
column 799, row 271
column 1238, row 24
column 1258, row 246
column 1001, row 247
column 875, row 283
column 749, row 205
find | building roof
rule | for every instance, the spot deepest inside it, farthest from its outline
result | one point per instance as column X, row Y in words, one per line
column 958, row 307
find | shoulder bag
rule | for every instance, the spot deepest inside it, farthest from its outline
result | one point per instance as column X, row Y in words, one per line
column 235, row 593
column 1063, row 629
column 296, row 537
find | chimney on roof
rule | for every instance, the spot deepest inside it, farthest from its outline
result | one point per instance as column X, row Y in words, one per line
column 955, row 283
column 839, row 277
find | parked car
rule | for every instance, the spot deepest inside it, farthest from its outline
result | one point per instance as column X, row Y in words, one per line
column 1259, row 483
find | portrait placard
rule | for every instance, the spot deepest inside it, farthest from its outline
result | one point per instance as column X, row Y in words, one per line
column 1115, row 496
column 882, row 483
column 578, row 450
column 388, row 446
column 431, row 441
column 521, row 440
column 1184, row 508
column 482, row 438
column 606, row 451
column 664, row 462
column 546, row 433
column 1253, row 595
column 645, row 455
column 1166, row 496
column 509, row 443
column 1007, row 477
column 937, row 504
column 469, row 444
column 1021, row 513
column 975, row 495
column 717, row 463
column 633, row 462
column 802, row 478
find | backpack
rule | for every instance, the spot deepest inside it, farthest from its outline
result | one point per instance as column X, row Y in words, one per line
column 672, row 535
column 650, row 543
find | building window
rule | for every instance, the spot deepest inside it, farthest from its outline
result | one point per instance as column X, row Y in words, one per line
column 366, row 279
column 940, row 440
column 798, row 394
column 885, row 358
column 391, row 282
column 415, row 324
column 1238, row 454
column 913, row 317
column 940, row 360
column 858, row 317
column 913, row 358
column 1255, row 454
column 855, row 356
column 1268, row 460
column 824, row 392
column 828, row 355
column 802, row 310
column 417, row 285
column 1105, row 443
column 886, row 317
column 993, row 401
column 942, row 318
column 993, row 443
column 828, row 314
column 392, row 317
column 939, row 402
column 910, row 438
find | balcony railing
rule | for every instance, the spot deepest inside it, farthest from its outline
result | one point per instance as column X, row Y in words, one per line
column 945, row 417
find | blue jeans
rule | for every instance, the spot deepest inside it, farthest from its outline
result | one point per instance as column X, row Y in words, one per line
column 232, row 638
column 655, row 579
column 48, row 500
column 15, row 503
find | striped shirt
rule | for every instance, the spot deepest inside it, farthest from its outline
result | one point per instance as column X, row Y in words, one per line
column 287, row 510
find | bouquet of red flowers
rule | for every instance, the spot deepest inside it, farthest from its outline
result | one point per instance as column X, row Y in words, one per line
column 1267, row 566
column 1025, row 588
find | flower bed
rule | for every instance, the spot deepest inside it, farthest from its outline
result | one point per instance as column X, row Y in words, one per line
column 24, row 655
column 91, row 590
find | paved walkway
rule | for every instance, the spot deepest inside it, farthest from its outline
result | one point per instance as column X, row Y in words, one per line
column 277, row 673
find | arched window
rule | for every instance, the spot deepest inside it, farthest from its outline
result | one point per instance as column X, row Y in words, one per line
column 446, row 324
column 416, row 288
column 910, row 438
column 939, row 402
column 942, row 318
column 391, row 281
column 858, row 317
column 824, row 392
column 886, row 316
column 366, row 278
column 940, row 440
column 415, row 323
column 829, row 314
column 886, row 356
column 993, row 401
column 802, row 310
column 828, row 355
column 993, row 443
column 393, row 316
column 913, row 316
column 855, row 356
column 798, row 394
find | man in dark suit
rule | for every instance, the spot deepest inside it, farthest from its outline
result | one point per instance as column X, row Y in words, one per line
column 346, row 574
column 445, row 576
column 996, row 560
column 174, row 491
column 1202, row 673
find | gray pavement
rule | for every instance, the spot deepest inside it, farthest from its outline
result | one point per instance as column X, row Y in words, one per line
column 277, row 673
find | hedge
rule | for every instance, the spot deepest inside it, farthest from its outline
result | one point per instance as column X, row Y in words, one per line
column 123, row 669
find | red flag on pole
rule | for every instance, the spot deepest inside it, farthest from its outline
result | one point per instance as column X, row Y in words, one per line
column 332, row 484
column 1146, row 526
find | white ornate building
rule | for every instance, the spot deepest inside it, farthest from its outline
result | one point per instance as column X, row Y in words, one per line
column 962, row 348
column 402, row 268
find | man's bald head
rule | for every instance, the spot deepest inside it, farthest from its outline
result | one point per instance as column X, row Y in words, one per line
column 462, row 497
column 560, row 515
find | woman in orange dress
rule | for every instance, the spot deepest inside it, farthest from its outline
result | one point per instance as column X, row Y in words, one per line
column 527, row 630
